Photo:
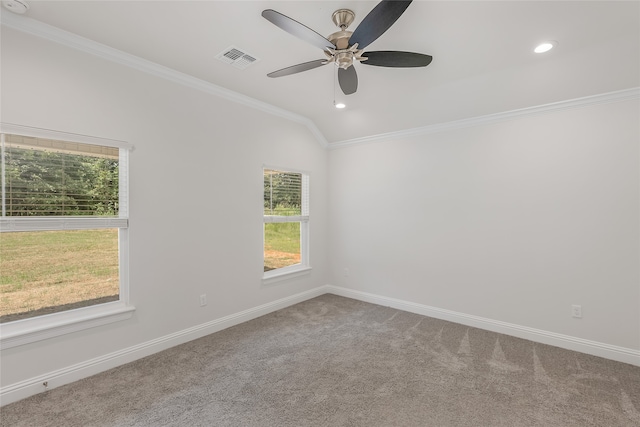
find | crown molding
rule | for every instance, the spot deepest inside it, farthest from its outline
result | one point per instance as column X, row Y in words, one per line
column 57, row 35
column 605, row 98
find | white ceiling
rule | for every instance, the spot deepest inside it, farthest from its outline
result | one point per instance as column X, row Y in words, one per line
column 483, row 54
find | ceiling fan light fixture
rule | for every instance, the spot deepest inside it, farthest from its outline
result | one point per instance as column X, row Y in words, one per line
column 545, row 47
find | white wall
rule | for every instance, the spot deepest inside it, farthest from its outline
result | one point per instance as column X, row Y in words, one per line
column 196, row 189
column 513, row 222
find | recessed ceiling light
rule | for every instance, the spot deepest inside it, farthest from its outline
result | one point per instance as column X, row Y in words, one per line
column 16, row 6
column 340, row 105
column 545, row 47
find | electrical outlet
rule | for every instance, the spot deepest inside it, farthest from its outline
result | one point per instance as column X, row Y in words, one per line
column 203, row 300
column 576, row 311
column 346, row 272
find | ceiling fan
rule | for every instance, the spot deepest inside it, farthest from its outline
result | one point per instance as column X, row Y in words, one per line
column 346, row 47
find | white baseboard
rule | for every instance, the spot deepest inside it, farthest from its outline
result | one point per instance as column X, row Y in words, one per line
column 607, row 351
column 32, row 386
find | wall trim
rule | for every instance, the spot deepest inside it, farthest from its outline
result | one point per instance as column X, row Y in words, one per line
column 605, row 98
column 607, row 351
column 23, row 389
column 57, row 35
column 26, row 331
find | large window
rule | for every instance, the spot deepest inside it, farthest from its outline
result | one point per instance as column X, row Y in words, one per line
column 64, row 224
column 286, row 222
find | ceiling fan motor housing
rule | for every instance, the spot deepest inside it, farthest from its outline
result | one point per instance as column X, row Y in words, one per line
column 340, row 39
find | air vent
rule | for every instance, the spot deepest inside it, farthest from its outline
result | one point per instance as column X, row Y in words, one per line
column 236, row 57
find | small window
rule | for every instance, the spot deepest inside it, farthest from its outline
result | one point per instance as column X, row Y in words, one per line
column 286, row 222
column 63, row 226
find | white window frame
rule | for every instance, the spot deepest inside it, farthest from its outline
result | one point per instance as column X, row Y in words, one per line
column 38, row 328
column 304, row 266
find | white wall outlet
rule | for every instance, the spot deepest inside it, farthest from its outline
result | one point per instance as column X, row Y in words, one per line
column 345, row 272
column 576, row 311
column 203, row 300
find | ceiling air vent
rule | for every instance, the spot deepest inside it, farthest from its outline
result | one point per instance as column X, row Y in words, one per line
column 236, row 57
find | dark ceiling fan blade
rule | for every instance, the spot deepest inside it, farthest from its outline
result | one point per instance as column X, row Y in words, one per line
column 297, row 29
column 348, row 80
column 298, row 68
column 377, row 22
column 394, row 58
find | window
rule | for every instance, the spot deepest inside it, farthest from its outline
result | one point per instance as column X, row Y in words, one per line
column 286, row 222
column 63, row 230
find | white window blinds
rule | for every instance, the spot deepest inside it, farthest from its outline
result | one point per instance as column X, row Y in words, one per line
column 43, row 177
column 286, row 196
column 51, row 184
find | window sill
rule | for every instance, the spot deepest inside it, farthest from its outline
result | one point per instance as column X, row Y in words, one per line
column 286, row 273
column 40, row 328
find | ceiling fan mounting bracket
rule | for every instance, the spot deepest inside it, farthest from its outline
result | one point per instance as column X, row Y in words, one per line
column 343, row 18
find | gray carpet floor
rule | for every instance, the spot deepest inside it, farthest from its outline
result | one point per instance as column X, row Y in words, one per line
column 333, row 361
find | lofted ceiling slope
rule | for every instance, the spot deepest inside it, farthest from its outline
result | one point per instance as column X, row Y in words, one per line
column 483, row 54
